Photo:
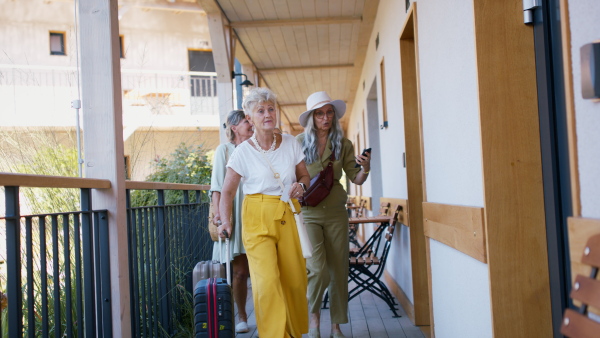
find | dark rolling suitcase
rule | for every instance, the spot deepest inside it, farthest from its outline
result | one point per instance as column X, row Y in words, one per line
column 213, row 306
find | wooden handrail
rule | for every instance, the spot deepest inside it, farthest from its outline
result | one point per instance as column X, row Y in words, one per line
column 138, row 185
column 44, row 181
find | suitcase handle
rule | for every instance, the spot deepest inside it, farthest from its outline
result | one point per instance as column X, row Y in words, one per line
column 227, row 262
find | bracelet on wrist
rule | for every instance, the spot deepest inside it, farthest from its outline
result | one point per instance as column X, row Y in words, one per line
column 366, row 171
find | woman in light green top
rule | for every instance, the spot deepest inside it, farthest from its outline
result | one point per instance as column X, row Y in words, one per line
column 327, row 223
column 238, row 130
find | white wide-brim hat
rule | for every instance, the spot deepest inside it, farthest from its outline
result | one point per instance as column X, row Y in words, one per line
column 318, row 100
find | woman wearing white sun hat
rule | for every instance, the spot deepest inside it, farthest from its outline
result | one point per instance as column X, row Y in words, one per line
column 327, row 223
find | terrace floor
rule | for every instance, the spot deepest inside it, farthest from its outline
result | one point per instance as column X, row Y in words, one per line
column 369, row 316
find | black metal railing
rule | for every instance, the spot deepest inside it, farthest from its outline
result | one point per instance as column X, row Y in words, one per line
column 57, row 276
column 165, row 243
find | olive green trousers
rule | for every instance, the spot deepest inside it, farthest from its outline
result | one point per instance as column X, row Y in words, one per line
column 327, row 228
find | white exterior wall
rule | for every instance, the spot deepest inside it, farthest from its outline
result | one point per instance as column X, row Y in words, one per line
column 388, row 24
column 453, row 163
column 452, row 146
column 585, row 28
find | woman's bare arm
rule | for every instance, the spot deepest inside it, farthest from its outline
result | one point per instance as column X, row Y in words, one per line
column 230, row 185
column 216, row 198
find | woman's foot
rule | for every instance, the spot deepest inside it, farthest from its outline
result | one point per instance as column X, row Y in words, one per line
column 313, row 332
column 336, row 332
column 242, row 327
column 314, row 326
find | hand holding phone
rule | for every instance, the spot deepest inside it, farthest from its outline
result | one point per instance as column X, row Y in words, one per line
column 365, row 151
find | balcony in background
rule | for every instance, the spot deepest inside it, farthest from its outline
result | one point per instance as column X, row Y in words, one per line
column 42, row 95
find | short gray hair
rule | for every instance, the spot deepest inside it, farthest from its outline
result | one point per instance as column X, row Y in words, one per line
column 257, row 96
column 233, row 119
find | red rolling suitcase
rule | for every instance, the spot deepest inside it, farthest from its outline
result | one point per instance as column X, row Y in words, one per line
column 213, row 305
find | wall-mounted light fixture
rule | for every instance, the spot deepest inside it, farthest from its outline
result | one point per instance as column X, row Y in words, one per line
column 245, row 83
column 590, row 70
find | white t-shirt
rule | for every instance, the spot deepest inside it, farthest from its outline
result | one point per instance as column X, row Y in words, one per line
column 257, row 176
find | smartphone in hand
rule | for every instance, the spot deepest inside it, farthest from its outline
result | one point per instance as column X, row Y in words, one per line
column 368, row 150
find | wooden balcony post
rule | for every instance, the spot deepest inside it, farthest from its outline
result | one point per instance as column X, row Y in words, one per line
column 103, row 140
column 223, row 49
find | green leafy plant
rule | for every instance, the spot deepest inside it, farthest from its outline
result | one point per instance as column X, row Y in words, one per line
column 190, row 165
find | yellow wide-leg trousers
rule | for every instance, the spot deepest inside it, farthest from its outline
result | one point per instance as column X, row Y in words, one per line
column 277, row 267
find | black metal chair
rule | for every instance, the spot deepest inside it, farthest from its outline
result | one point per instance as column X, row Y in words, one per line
column 366, row 266
column 354, row 222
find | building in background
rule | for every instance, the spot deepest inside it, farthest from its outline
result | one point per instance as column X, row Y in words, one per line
column 168, row 79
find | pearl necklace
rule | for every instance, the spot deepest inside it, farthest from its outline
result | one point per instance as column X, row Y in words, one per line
column 260, row 149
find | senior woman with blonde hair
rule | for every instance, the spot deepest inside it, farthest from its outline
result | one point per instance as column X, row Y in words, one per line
column 270, row 236
column 327, row 222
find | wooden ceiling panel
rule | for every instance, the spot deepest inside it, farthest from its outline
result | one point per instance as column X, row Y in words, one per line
column 335, row 7
column 255, row 9
column 292, row 44
column 282, row 8
column 360, row 6
column 349, row 8
column 304, row 51
column 321, row 9
column 313, row 48
column 308, row 9
column 323, row 44
column 294, row 7
column 354, row 46
column 268, row 10
column 240, row 9
column 319, row 47
column 309, row 81
column 275, row 43
column 346, row 43
column 334, row 45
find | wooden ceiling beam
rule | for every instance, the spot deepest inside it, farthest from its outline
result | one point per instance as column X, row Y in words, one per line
column 285, row 69
column 295, row 22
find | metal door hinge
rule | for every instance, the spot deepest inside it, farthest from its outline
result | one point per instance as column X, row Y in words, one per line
column 528, row 7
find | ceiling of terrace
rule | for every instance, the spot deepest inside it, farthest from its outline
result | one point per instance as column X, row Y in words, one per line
column 303, row 46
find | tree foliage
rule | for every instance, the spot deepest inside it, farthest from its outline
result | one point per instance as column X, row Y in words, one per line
column 190, row 165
